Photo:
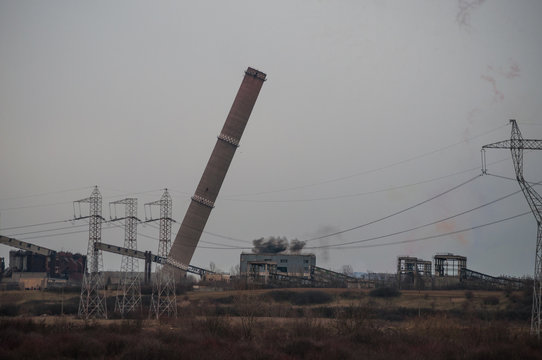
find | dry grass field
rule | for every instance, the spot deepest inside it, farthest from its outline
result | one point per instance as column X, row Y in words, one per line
column 278, row 324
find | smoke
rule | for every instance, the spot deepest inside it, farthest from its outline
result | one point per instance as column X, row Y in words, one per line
column 275, row 245
column 296, row 245
column 465, row 9
column 449, row 226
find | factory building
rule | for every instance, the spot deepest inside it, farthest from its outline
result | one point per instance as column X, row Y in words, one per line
column 449, row 264
column 57, row 265
column 265, row 265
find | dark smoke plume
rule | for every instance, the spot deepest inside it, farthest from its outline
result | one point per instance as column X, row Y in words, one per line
column 296, row 245
column 275, row 245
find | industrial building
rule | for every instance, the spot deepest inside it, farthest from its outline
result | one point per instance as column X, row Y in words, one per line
column 63, row 265
column 417, row 273
column 264, row 266
column 413, row 271
column 449, row 264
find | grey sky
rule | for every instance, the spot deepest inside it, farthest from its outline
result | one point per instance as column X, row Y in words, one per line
column 130, row 96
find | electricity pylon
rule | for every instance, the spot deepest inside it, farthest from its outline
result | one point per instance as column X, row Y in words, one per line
column 129, row 296
column 163, row 300
column 92, row 303
column 517, row 144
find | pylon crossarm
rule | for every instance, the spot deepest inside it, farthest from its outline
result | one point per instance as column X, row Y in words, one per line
column 526, row 144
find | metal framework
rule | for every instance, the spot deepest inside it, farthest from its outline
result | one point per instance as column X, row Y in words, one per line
column 449, row 264
column 163, row 299
column 129, row 295
column 92, row 303
column 517, row 144
column 500, row 282
column 149, row 257
column 411, row 270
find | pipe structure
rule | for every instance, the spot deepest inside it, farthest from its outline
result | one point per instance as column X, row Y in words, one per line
column 206, row 193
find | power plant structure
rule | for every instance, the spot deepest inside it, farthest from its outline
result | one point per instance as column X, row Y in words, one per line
column 274, row 269
column 449, row 271
column 412, row 270
column 213, row 176
column 265, row 266
column 449, row 264
column 517, row 145
column 34, row 266
column 418, row 273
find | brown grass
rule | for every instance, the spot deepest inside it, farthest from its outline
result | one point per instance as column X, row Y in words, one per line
column 251, row 325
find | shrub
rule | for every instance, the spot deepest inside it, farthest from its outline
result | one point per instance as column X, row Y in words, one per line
column 224, row 300
column 469, row 295
column 352, row 295
column 491, row 300
column 385, row 292
column 280, row 295
column 301, row 298
column 9, row 310
column 217, row 325
column 311, row 297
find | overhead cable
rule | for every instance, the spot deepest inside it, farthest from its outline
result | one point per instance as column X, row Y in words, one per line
column 331, row 247
column 417, row 227
column 372, row 170
column 433, row 236
column 395, row 213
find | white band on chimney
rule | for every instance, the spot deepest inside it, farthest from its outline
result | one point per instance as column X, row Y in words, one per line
column 229, row 139
column 203, row 201
column 177, row 264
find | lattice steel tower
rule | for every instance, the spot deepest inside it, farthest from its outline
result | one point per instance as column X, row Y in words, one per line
column 163, row 300
column 129, row 296
column 517, row 144
column 92, row 303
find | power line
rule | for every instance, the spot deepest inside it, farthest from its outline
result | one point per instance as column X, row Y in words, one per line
column 32, row 225
column 51, row 235
column 70, row 202
column 402, row 231
column 416, row 227
column 363, row 193
column 35, row 206
column 372, row 170
column 226, row 237
column 402, row 241
column 433, row 236
column 512, row 179
column 43, row 194
column 357, row 194
column 47, row 230
column 395, row 213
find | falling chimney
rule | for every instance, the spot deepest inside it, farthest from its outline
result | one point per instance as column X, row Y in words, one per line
column 207, row 191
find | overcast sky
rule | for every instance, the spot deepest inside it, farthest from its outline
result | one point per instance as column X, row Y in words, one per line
column 370, row 108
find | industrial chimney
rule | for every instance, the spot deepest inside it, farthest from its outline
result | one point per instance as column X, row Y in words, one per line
column 207, row 191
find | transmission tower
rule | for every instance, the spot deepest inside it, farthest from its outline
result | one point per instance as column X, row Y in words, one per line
column 92, row 303
column 163, row 300
column 129, row 290
column 517, row 144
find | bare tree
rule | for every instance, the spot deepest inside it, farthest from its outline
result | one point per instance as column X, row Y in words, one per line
column 348, row 270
